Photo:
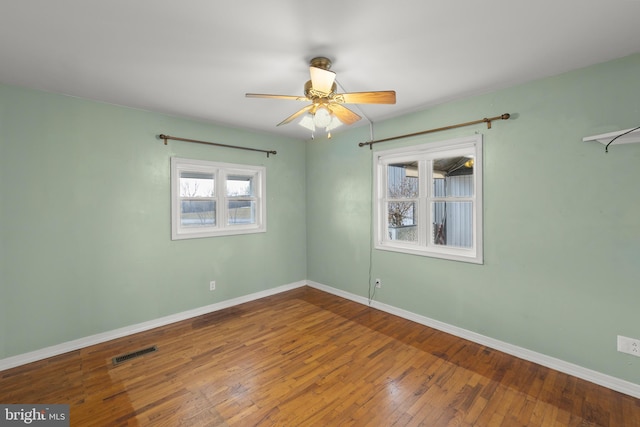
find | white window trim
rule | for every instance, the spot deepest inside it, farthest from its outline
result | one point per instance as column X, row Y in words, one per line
column 220, row 171
column 423, row 153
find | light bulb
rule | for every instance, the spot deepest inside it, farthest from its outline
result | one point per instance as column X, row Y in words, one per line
column 322, row 118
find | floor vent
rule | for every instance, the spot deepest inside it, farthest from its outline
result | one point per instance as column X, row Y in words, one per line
column 119, row 359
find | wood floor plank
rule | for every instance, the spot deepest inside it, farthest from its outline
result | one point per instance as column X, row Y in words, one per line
column 307, row 358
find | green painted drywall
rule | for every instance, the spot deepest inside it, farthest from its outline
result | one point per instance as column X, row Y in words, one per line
column 85, row 220
column 561, row 219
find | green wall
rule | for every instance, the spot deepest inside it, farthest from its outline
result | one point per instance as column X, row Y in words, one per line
column 85, row 220
column 85, row 233
column 561, row 219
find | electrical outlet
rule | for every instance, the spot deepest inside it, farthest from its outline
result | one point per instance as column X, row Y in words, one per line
column 629, row 345
column 378, row 283
column 212, row 285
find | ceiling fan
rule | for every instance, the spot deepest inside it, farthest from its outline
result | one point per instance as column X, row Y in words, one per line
column 326, row 109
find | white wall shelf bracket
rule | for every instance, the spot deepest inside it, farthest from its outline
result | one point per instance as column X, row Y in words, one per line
column 627, row 136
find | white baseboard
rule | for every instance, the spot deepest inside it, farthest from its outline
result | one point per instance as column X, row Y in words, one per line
column 595, row 377
column 55, row 350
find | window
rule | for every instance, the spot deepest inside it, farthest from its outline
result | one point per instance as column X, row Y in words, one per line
column 216, row 199
column 428, row 199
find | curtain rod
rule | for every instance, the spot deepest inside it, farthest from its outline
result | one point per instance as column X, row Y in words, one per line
column 166, row 137
column 485, row 120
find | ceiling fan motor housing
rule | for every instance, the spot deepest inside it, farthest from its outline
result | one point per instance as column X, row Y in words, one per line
column 321, row 62
column 313, row 94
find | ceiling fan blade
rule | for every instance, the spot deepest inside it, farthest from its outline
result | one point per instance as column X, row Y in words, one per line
column 296, row 114
column 345, row 115
column 322, row 80
column 265, row 95
column 380, row 97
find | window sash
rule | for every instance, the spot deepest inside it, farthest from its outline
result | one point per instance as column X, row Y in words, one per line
column 227, row 220
column 386, row 238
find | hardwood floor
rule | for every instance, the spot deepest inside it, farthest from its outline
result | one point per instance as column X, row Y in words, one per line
column 307, row 358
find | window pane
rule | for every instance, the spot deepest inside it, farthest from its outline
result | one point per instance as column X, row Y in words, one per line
column 197, row 213
column 402, row 221
column 402, row 180
column 453, row 224
column 196, row 184
column 453, row 177
column 238, row 185
column 241, row 212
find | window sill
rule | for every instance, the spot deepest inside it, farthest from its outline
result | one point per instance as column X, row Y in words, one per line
column 460, row 255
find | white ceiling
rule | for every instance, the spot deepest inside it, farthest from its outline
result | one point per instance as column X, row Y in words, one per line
column 198, row 58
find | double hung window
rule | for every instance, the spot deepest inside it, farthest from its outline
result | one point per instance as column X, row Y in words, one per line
column 428, row 199
column 216, row 199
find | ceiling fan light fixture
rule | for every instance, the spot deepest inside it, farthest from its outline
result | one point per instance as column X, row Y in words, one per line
column 313, row 122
